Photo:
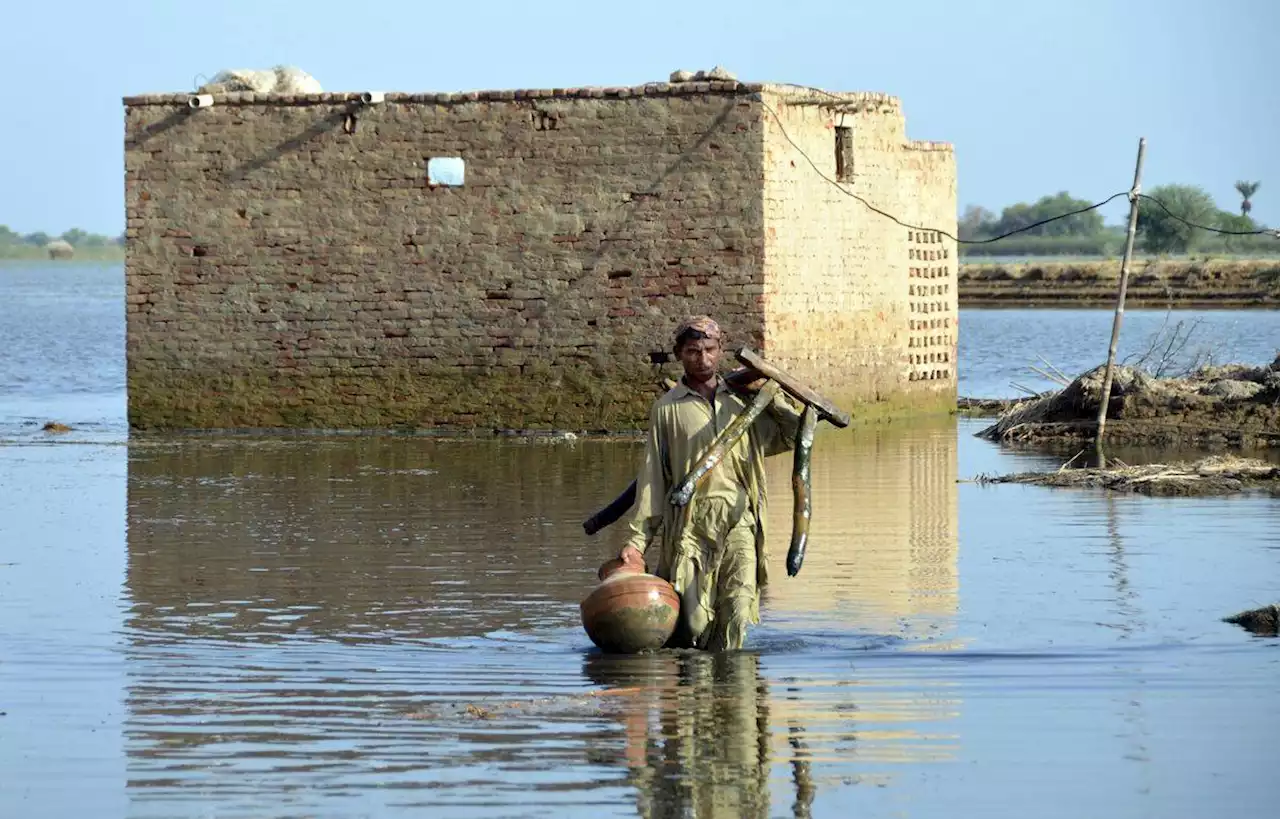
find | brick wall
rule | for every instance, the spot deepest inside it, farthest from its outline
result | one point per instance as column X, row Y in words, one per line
column 839, row 277
column 288, row 265
column 289, row 262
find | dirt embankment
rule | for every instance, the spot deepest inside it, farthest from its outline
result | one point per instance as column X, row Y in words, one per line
column 1229, row 406
column 1152, row 283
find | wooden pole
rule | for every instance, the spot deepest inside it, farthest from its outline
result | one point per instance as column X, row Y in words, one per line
column 1124, row 286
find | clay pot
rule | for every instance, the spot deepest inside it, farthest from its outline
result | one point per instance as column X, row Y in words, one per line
column 630, row 611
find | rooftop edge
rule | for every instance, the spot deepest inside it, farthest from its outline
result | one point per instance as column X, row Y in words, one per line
column 655, row 89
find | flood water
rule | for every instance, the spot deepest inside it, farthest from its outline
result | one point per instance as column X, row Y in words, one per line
column 388, row 626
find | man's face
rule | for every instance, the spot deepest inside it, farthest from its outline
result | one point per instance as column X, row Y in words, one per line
column 700, row 357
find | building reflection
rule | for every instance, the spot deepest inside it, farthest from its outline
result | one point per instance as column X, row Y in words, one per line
column 361, row 539
column 883, row 541
column 713, row 735
column 697, row 731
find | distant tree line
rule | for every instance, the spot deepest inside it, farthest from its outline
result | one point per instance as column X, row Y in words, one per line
column 74, row 237
column 1159, row 231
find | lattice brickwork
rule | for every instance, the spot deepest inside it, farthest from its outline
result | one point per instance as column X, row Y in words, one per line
column 931, row 321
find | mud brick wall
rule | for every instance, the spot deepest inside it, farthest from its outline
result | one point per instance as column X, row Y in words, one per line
column 289, row 264
column 839, row 278
column 292, row 262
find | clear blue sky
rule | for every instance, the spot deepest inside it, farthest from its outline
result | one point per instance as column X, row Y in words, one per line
column 1036, row 96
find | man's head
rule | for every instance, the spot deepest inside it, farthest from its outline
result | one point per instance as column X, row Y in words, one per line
column 697, row 345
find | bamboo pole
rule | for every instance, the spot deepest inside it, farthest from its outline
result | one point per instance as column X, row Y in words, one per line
column 1124, row 286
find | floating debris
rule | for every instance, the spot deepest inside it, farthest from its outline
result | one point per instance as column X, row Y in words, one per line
column 1215, row 475
column 54, row 426
column 1264, row 622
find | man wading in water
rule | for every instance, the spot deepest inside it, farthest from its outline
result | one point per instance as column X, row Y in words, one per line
column 712, row 550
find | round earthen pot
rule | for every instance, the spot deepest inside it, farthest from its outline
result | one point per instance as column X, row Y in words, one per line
column 630, row 612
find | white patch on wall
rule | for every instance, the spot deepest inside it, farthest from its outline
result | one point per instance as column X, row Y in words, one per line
column 445, row 170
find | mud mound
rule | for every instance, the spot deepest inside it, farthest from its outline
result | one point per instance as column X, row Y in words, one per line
column 1264, row 622
column 1233, row 405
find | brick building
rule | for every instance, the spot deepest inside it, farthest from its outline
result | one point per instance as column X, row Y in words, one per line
column 513, row 258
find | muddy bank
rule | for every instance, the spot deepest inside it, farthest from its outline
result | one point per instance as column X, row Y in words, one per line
column 1233, row 406
column 1217, row 475
column 1152, row 283
column 985, row 407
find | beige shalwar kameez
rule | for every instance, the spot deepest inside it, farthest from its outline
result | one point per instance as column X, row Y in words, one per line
column 713, row 549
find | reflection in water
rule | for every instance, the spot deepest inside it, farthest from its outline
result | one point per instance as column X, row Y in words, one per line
column 372, row 539
column 697, row 731
column 335, row 615
column 883, row 541
column 387, row 627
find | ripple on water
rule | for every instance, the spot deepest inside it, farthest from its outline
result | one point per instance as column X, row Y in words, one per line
column 377, row 626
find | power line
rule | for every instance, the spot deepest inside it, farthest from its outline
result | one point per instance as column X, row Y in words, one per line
column 1023, row 229
column 1094, row 206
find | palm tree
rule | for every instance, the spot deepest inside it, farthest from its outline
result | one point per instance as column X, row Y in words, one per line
column 1247, row 190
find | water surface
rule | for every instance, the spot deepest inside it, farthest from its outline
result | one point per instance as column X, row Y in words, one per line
column 383, row 626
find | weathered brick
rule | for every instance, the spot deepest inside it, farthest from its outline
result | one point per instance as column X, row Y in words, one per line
column 285, row 251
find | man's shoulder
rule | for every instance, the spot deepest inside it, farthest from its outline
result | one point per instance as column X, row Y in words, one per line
column 671, row 396
column 665, row 403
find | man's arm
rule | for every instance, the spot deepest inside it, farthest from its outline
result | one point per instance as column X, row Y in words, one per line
column 651, row 491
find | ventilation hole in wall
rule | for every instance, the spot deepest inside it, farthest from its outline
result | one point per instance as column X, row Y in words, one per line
column 659, row 357
column 199, row 250
column 591, row 322
column 243, row 213
column 844, row 153
column 349, row 124
column 619, row 274
column 449, row 171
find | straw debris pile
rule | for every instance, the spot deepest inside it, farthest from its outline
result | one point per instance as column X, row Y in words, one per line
column 1235, row 405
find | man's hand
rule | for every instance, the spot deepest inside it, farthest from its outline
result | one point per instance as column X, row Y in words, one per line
column 631, row 557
